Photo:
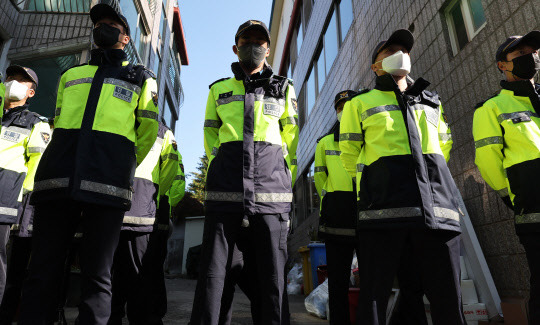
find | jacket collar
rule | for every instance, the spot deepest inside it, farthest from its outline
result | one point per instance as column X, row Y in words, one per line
column 239, row 73
column 387, row 83
column 522, row 88
column 15, row 110
column 112, row 57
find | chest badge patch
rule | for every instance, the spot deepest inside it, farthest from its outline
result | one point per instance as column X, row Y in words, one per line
column 46, row 137
column 432, row 115
column 11, row 136
column 272, row 109
column 123, row 94
column 225, row 95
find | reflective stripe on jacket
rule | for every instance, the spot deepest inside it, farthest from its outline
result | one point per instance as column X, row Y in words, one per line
column 396, row 145
column 106, row 123
column 23, row 139
column 250, row 137
column 335, row 188
column 153, row 176
column 506, row 130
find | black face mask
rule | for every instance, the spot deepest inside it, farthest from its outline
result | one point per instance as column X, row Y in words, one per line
column 106, row 36
column 251, row 55
column 526, row 66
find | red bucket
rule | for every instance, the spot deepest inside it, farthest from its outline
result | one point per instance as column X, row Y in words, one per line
column 322, row 273
column 353, row 303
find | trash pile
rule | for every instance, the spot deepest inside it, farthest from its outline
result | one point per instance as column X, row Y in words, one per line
column 295, row 278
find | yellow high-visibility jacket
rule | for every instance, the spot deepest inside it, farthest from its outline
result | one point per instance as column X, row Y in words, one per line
column 152, row 177
column 335, row 188
column 23, row 139
column 250, row 137
column 506, row 130
column 396, row 145
column 178, row 187
column 105, row 125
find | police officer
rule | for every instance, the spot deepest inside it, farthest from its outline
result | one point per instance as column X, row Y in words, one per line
column 395, row 143
column 250, row 136
column 337, row 223
column 138, row 256
column 105, row 125
column 506, row 130
column 23, row 139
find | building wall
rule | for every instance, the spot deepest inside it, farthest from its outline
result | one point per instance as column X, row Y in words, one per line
column 462, row 81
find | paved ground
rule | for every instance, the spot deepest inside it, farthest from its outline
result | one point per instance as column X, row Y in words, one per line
column 180, row 298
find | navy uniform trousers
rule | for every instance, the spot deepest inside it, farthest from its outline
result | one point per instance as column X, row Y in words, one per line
column 531, row 243
column 264, row 249
column 429, row 255
column 139, row 279
column 4, row 238
column 55, row 223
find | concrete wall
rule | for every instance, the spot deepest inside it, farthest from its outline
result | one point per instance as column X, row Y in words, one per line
column 462, row 80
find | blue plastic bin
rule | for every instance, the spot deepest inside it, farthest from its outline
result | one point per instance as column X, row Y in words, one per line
column 317, row 255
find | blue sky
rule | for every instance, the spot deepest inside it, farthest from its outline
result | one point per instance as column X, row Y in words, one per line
column 209, row 27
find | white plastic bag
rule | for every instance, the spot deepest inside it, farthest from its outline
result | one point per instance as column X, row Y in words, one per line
column 294, row 289
column 316, row 301
column 295, row 275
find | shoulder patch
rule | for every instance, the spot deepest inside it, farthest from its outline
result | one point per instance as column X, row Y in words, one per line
column 480, row 104
column 219, row 80
column 361, row 91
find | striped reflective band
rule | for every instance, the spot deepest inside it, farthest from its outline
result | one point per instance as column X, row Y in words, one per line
column 35, row 149
column 379, row 109
column 337, row 231
column 239, row 197
column 289, row 120
column 390, row 213
column 351, row 137
column 106, row 189
column 269, row 100
column 214, row 151
column 513, row 115
column 212, row 123
column 50, row 184
column 78, row 82
column 294, row 162
column 360, row 168
column 8, row 211
column 332, row 152
column 445, row 136
column 503, row 192
column 230, row 99
column 179, row 178
column 446, row 213
column 139, row 220
column 18, row 130
column 57, row 111
column 488, row 141
column 273, row 197
column 147, row 114
column 321, row 169
column 171, row 156
column 123, row 84
column 528, row 218
column 439, row 212
column 224, row 196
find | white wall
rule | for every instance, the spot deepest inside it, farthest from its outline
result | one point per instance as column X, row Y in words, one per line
column 193, row 236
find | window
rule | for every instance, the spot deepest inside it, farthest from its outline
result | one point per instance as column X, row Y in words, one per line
column 346, row 17
column 162, row 26
column 157, row 65
column 56, row 5
column 174, row 71
column 331, row 45
column 321, row 75
column 48, row 71
column 311, row 95
column 465, row 19
column 138, row 30
column 139, row 38
column 167, row 113
column 313, row 201
column 299, row 38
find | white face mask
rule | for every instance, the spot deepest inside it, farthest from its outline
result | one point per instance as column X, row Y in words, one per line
column 397, row 64
column 15, row 90
column 339, row 116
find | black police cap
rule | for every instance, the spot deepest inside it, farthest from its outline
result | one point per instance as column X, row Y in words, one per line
column 103, row 10
column 252, row 24
column 532, row 38
column 27, row 72
column 343, row 96
column 401, row 36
